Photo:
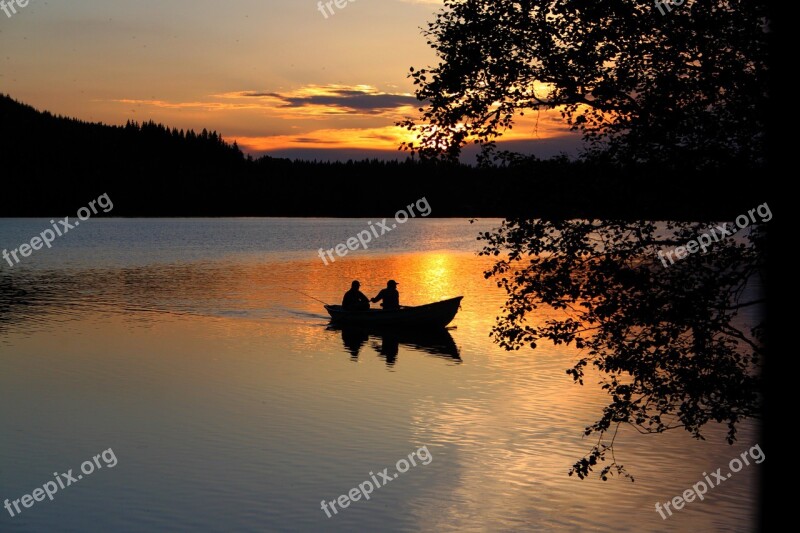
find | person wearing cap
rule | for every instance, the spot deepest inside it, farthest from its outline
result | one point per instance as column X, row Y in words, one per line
column 354, row 299
column 389, row 295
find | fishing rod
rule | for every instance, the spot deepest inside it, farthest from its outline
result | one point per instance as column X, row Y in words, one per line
column 307, row 295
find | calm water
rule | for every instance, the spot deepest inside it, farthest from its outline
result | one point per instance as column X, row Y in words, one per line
column 230, row 405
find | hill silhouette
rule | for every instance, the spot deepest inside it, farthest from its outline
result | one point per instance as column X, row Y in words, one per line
column 53, row 165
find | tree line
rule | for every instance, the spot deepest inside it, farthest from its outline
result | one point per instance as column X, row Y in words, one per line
column 51, row 164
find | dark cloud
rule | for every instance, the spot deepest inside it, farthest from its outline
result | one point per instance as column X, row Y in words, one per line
column 253, row 94
column 313, row 140
column 348, row 99
column 381, row 137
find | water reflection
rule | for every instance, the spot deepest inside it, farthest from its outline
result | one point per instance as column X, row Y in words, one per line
column 386, row 342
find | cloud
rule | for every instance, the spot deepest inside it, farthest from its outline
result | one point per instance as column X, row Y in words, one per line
column 333, row 99
column 204, row 106
column 323, row 117
column 532, row 132
column 311, row 101
column 381, row 138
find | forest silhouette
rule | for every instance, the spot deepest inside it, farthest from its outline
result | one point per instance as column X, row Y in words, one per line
column 52, row 164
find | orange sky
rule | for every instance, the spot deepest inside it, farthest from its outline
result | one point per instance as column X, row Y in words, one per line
column 278, row 77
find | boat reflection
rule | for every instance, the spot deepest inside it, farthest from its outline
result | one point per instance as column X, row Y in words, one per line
column 386, row 342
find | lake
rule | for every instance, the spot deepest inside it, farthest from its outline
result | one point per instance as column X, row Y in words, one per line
column 225, row 402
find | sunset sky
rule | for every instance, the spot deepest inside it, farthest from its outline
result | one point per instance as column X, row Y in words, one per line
column 276, row 76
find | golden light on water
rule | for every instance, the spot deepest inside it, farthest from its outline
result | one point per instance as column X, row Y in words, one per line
column 439, row 271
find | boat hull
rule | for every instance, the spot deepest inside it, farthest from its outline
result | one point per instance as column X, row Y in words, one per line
column 434, row 315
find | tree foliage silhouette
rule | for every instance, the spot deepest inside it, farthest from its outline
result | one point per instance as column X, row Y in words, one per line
column 670, row 344
column 686, row 88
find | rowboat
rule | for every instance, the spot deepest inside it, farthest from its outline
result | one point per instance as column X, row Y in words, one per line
column 435, row 315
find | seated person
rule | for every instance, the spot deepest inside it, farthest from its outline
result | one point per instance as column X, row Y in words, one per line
column 354, row 299
column 389, row 295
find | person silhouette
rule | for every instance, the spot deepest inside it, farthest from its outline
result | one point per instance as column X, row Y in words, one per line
column 354, row 299
column 389, row 295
